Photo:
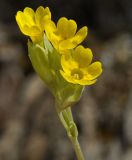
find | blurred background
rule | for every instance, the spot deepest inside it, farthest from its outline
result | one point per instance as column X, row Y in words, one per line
column 29, row 126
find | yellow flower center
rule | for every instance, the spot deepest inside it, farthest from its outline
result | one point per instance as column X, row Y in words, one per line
column 77, row 74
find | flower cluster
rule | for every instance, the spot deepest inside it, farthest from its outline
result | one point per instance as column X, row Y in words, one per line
column 75, row 60
column 60, row 60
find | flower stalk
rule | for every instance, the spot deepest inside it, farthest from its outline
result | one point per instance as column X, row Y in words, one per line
column 77, row 149
column 67, row 121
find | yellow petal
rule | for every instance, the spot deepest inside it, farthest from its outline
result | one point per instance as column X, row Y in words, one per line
column 41, row 16
column 31, row 31
column 37, row 38
column 67, row 63
column 62, row 26
column 29, row 15
column 85, row 82
column 20, row 19
column 47, row 12
column 66, row 28
column 71, row 30
column 25, row 30
column 95, row 69
column 29, row 11
column 80, row 36
column 40, row 11
column 83, row 56
column 73, row 42
column 50, row 28
column 46, row 16
column 66, row 44
column 67, row 77
column 71, row 79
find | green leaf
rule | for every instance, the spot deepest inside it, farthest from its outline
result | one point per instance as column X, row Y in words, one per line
column 47, row 44
column 39, row 60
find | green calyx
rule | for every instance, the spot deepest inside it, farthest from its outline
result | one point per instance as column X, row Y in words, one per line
column 46, row 62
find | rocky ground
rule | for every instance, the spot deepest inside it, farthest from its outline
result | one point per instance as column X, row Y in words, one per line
column 29, row 126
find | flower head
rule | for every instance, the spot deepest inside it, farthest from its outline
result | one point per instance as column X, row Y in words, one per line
column 33, row 23
column 77, row 67
column 64, row 36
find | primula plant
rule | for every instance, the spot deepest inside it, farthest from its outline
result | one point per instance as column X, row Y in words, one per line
column 63, row 64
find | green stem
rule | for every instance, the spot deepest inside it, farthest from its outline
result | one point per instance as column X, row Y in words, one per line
column 77, row 149
column 68, row 122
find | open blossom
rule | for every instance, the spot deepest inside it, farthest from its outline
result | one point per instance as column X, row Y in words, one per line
column 75, row 60
column 64, row 36
column 77, row 67
column 33, row 23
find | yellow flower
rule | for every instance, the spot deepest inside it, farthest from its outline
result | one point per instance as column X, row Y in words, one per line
column 77, row 67
column 64, row 36
column 33, row 23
